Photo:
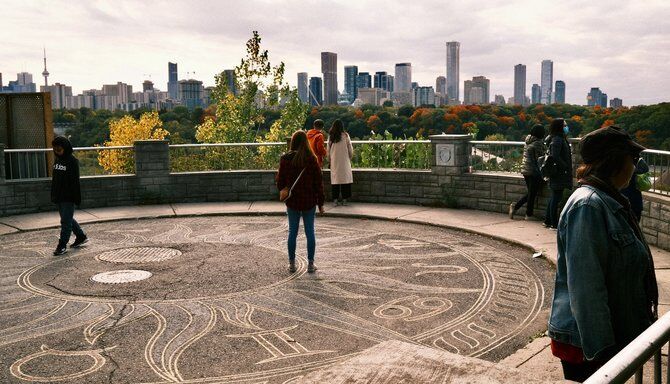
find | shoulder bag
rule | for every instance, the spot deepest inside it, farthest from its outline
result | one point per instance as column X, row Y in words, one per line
column 285, row 192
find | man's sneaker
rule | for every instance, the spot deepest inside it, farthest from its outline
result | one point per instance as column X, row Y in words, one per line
column 511, row 211
column 60, row 250
column 291, row 266
column 311, row 268
column 79, row 241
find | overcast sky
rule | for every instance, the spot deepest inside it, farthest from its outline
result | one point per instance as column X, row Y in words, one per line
column 623, row 47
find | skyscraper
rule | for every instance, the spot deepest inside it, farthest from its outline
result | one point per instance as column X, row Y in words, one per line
column 231, row 82
column 403, row 77
column 173, row 81
column 59, row 94
column 535, row 94
column 441, row 85
column 594, row 97
column 303, row 87
column 364, row 80
column 329, row 70
column 315, row 91
column 476, row 91
column 45, row 73
column 559, row 93
column 388, row 83
column 378, row 79
column 603, row 100
column 350, row 86
column 423, row 96
column 453, row 70
column 546, row 81
column 519, row 84
column 147, row 85
column 616, row 103
column 191, row 92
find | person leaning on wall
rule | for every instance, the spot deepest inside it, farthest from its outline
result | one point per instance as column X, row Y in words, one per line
column 605, row 291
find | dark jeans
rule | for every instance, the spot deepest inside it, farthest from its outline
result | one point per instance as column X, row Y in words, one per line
column 580, row 372
column 533, row 184
column 551, row 218
column 293, row 226
column 344, row 188
column 67, row 222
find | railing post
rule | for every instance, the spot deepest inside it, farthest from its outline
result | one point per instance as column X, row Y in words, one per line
column 152, row 158
column 2, row 163
column 451, row 154
column 576, row 157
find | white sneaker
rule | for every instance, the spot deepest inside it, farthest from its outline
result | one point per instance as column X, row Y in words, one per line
column 511, row 211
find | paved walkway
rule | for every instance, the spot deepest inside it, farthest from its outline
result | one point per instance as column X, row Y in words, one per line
column 531, row 235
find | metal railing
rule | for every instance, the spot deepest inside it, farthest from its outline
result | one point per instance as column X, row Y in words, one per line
column 630, row 360
column 496, row 156
column 34, row 163
column 659, row 170
column 368, row 154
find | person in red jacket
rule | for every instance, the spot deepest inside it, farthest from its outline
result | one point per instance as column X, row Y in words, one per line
column 317, row 141
column 300, row 164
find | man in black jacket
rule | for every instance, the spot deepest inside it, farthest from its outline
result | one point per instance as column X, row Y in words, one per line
column 66, row 193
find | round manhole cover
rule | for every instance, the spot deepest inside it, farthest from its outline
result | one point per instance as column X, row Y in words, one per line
column 122, row 276
column 139, row 255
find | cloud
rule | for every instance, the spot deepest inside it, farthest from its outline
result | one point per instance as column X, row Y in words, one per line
column 620, row 46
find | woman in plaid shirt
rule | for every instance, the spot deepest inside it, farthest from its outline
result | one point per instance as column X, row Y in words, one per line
column 306, row 195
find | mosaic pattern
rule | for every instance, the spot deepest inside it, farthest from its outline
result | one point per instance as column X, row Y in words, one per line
column 220, row 305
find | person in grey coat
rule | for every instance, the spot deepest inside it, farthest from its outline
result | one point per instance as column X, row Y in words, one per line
column 559, row 151
column 532, row 150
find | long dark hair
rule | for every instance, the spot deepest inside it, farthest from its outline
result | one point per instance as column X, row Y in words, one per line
column 556, row 127
column 303, row 151
column 335, row 133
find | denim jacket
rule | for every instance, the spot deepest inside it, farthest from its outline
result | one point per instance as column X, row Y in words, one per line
column 599, row 304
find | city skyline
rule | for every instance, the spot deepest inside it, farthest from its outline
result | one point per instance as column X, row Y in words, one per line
column 627, row 61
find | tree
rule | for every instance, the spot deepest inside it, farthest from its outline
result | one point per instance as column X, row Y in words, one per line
column 125, row 131
column 292, row 118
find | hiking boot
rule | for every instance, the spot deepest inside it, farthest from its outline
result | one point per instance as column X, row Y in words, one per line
column 61, row 249
column 311, row 268
column 79, row 241
column 291, row 266
column 511, row 211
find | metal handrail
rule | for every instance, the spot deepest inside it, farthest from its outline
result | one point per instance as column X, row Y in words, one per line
column 497, row 142
column 205, row 145
column 630, row 360
column 44, row 150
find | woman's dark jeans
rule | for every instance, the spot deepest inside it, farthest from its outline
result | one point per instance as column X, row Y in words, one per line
column 551, row 218
column 533, row 184
column 67, row 222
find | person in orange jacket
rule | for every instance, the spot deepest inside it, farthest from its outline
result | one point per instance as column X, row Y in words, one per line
column 317, row 141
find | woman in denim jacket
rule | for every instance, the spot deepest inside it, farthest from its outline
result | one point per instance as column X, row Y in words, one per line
column 605, row 291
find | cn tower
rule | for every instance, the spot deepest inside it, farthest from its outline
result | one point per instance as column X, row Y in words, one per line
column 45, row 73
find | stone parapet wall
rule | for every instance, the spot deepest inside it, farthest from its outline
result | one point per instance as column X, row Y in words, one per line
column 439, row 186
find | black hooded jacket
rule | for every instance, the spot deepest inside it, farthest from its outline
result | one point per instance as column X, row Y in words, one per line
column 65, row 181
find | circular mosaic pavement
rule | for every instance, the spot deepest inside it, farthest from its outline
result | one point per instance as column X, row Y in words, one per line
column 221, row 306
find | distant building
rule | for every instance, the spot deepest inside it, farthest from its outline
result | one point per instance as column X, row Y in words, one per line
column 329, row 70
column 535, row 94
column 59, row 94
column 303, row 87
column 23, row 83
column 403, row 77
column 423, row 96
column 616, row 103
column 499, row 100
column 378, row 79
column 351, row 82
column 147, row 85
column 476, row 91
column 453, row 72
column 546, row 81
column 315, row 91
column 363, row 80
column 191, row 93
column 400, row 98
column 519, row 84
column 559, row 93
column 121, row 90
column 441, row 85
column 173, row 81
column 387, row 83
column 231, row 81
column 374, row 96
column 595, row 97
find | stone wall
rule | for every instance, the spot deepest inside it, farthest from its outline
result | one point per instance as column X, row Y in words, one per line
column 443, row 185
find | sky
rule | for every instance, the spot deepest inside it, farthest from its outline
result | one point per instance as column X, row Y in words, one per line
column 623, row 47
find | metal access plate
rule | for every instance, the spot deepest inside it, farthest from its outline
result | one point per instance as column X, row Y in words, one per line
column 121, row 276
column 139, row 255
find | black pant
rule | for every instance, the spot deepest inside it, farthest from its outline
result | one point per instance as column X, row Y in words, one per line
column 344, row 188
column 533, row 184
column 580, row 372
column 551, row 218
